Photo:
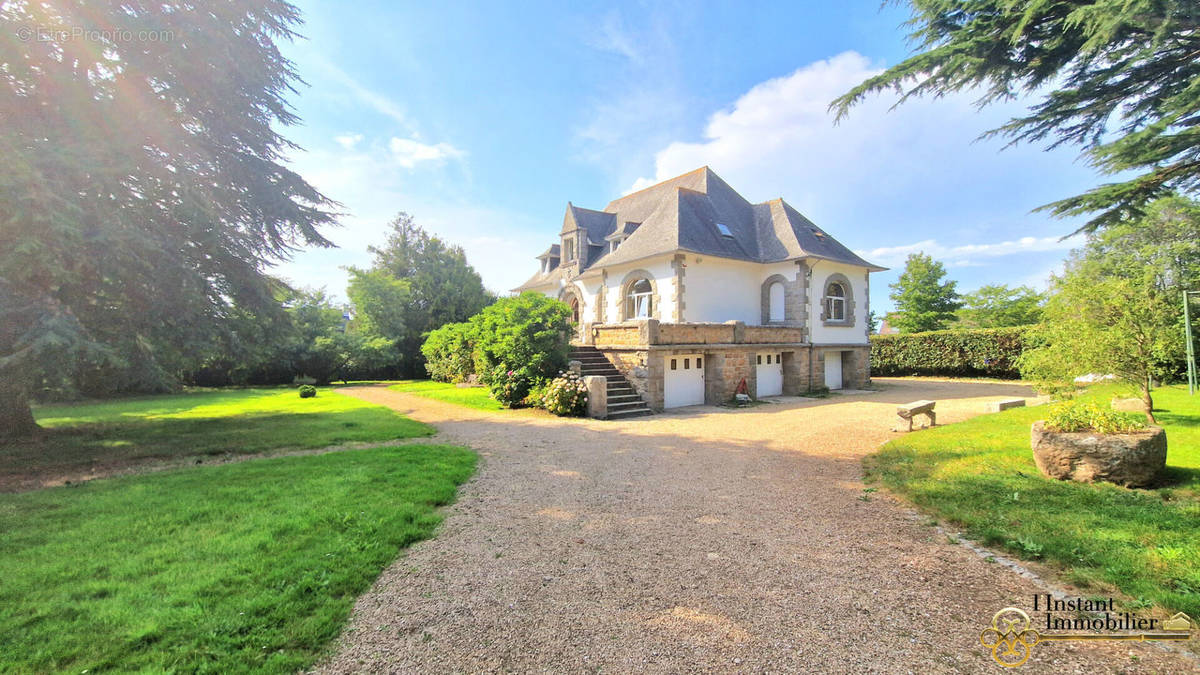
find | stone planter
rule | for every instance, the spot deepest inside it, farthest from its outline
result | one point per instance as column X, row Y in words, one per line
column 1131, row 459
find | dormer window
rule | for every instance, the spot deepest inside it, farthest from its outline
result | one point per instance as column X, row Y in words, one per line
column 615, row 242
column 569, row 250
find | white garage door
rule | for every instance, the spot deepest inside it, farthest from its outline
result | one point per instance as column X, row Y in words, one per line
column 769, row 371
column 833, row 370
column 684, row 381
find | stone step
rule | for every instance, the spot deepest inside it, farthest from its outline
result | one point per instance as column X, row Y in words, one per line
column 634, row 412
column 637, row 403
column 623, row 398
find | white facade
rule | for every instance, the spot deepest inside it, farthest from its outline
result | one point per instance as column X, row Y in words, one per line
column 717, row 290
column 854, row 329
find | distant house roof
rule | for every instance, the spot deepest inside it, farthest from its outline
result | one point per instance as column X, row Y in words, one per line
column 697, row 212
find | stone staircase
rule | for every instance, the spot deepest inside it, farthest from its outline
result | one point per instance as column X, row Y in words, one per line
column 623, row 400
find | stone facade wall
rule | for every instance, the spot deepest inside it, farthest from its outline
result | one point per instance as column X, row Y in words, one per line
column 634, row 365
column 724, row 368
column 640, row 351
column 616, row 336
column 856, row 368
column 648, row 332
column 695, row 333
column 773, row 334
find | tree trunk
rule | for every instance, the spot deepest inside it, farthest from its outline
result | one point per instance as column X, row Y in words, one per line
column 16, row 417
column 1148, row 404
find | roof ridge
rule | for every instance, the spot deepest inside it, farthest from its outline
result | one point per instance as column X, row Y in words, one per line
column 666, row 180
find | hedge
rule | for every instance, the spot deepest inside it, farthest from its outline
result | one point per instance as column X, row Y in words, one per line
column 982, row 352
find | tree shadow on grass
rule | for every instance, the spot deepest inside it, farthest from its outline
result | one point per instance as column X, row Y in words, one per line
column 91, row 449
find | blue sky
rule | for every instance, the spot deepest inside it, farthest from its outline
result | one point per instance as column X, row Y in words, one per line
column 482, row 120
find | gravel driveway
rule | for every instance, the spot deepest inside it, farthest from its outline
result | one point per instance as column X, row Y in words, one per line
column 702, row 540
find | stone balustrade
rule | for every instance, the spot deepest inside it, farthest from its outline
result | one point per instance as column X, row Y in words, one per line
column 647, row 332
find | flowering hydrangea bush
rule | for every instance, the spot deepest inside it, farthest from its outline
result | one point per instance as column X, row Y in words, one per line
column 566, row 395
column 509, row 387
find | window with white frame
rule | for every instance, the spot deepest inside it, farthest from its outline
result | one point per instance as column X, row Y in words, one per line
column 569, row 250
column 835, row 302
column 638, row 303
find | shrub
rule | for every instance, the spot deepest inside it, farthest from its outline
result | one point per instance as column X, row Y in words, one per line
column 1073, row 416
column 528, row 333
column 308, row 391
column 450, row 352
column 509, row 387
column 566, row 395
column 984, row 352
column 536, row 398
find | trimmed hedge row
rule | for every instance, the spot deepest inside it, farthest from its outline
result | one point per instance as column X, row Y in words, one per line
column 983, row 352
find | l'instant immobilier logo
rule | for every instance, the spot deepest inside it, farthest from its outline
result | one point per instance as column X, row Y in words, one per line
column 1012, row 637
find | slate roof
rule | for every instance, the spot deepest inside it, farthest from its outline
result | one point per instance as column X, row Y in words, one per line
column 686, row 213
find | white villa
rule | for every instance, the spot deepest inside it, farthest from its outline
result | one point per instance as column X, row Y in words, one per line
column 687, row 290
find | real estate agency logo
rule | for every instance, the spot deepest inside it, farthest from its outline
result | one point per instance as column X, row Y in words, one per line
column 1012, row 637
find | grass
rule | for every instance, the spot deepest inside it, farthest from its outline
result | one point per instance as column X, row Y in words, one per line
column 239, row 421
column 472, row 397
column 980, row 476
column 240, row 567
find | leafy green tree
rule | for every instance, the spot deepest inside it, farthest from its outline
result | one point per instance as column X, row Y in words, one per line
column 923, row 300
column 383, row 306
column 443, row 287
column 1125, row 78
column 1162, row 248
column 1117, row 309
column 1000, row 306
column 322, row 345
column 143, row 187
column 1102, row 324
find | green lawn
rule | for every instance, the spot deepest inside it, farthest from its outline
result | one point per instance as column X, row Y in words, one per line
column 980, row 476
column 216, row 569
column 210, row 422
column 472, row 397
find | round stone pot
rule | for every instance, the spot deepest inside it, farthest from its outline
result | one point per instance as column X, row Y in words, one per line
column 1131, row 459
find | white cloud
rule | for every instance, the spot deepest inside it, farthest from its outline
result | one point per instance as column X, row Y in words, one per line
column 966, row 255
column 615, row 37
column 881, row 177
column 779, row 139
column 376, row 101
column 409, row 152
column 348, row 141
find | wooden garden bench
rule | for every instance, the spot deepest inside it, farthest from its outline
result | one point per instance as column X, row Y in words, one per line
column 910, row 410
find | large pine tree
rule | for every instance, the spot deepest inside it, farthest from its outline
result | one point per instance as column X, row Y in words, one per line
column 143, row 184
column 1120, row 77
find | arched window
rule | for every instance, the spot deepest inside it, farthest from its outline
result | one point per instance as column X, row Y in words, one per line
column 835, row 302
column 639, row 299
column 775, row 302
